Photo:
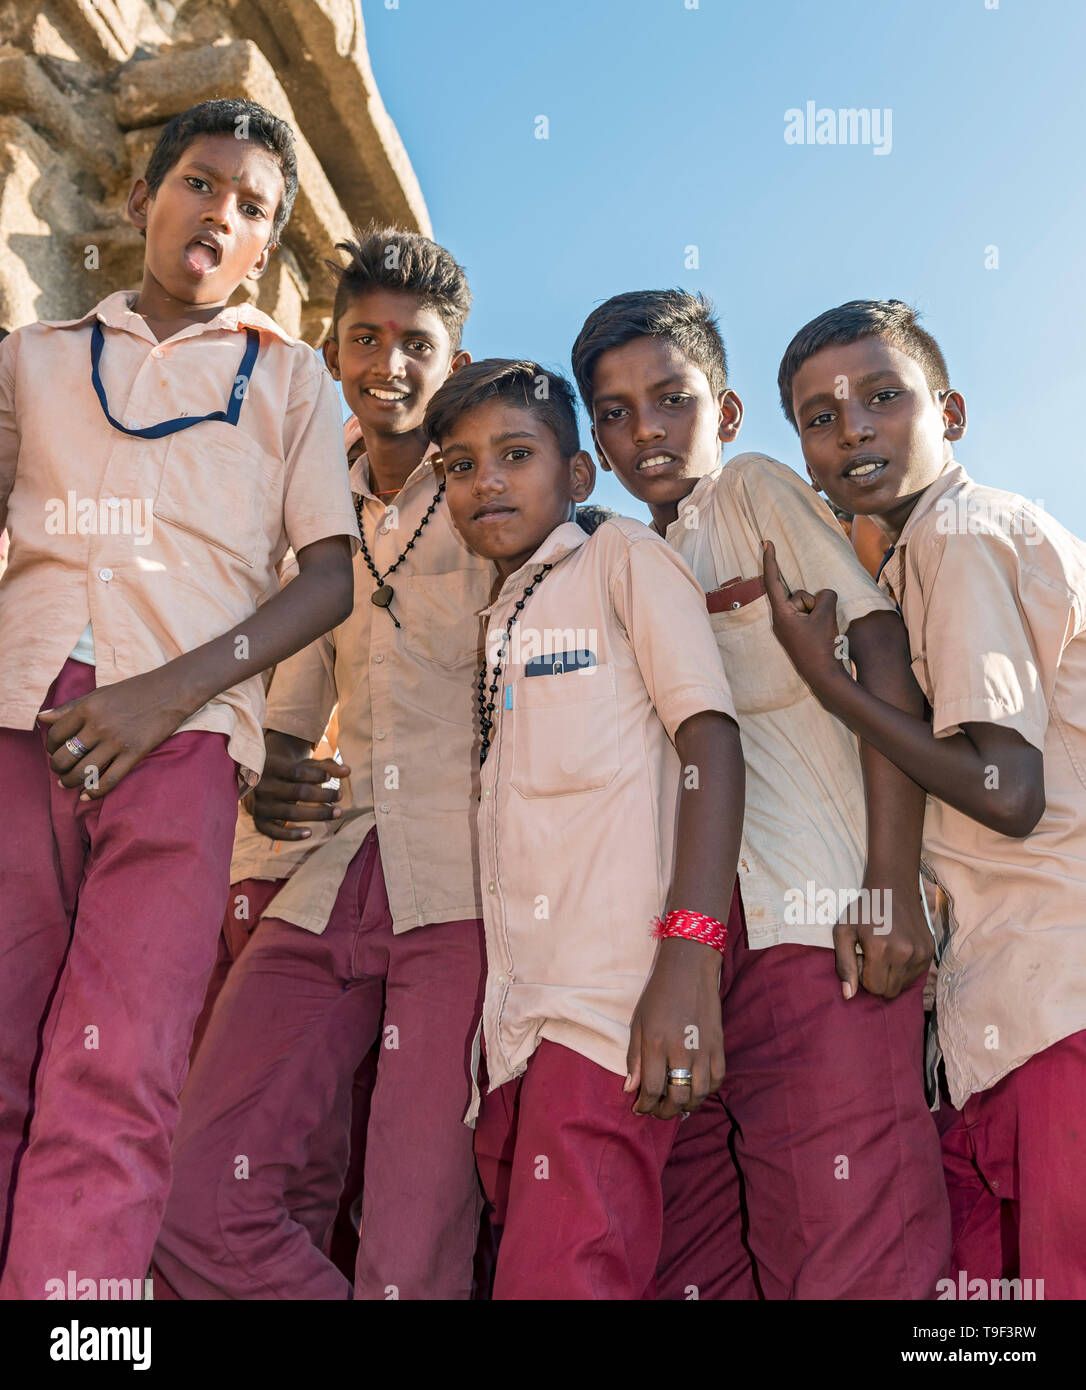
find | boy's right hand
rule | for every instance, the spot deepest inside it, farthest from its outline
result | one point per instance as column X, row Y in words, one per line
column 290, row 789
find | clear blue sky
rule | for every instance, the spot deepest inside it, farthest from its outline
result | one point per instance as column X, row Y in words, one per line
column 667, row 130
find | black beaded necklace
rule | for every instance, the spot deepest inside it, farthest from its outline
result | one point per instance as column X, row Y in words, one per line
column 382, row 596
column 486, row 707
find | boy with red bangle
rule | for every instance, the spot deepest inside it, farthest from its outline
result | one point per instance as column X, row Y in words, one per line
column 611, row 790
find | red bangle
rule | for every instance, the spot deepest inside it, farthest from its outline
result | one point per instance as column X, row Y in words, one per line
column 692, row 926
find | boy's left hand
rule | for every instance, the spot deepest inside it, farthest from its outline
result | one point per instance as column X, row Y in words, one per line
column 118, row 725
column 805, row 625
column 677, row 1024
column 893, row 953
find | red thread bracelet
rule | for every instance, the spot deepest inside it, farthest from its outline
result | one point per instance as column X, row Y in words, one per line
column 692, row 926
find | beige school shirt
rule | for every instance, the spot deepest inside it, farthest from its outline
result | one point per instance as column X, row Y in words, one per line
column 580, row 787
column 407, row 727
column 805, row 828
column 993, row 593
column 162, row 544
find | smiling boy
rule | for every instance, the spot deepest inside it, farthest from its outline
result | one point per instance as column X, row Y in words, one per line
column 611, row 792
column 139, row 659
column 993, row 593
column 375, row 934
column 844, row 1199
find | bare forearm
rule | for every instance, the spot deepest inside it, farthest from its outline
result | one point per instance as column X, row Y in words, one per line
column 316, row 601
column 878, row 645
column 952, row 769
column 710, row 821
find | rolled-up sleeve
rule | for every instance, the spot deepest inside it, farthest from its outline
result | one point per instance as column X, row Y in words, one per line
column 317, row 501
column 662, row 609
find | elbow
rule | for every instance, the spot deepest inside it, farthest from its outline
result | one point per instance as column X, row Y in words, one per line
column 1020, row 813
column 341, row 597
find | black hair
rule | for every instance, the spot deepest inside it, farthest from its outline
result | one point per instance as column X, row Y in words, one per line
column 234, row 116
column 390, row 258
column 523, row 384
column 687, row 320
column 591, row 517
column 889, row 319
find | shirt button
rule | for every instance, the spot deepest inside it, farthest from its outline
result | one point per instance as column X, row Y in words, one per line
column 380, row 733
column 379, row 658
column 486, row 793
column 385, row 808
column 133, row 424
column 491, row 888
column 105, row 576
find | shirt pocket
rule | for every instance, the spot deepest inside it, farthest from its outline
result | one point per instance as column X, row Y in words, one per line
column 217, row 484
column 565, row 732
column 759, row 670
column 440, row 614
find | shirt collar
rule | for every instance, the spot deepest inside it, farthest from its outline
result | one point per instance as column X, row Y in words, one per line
column 952, row 475
column 115, row 311
column 562, row 541
column 698, row 494
column 360, row 469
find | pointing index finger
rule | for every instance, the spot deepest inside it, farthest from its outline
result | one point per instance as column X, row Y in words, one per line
column 771, row 574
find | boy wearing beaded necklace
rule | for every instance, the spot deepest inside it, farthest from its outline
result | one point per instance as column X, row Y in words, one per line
column 114, row 880
column 612, row 789
column 375, row 932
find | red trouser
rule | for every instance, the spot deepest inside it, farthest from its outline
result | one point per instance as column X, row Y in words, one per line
column 246, row 904
column 110, row 913
column 1015, row 1164
column 815, row 1172
column 248, row 901
column 574, row 1176
column 262, row 1146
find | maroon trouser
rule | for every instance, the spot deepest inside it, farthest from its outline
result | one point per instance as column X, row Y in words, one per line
column 262, row 1146
column 1015, row 1164
column 815, row 1172
column 574, row 1177
column 249, row 900
column 246, row 904
column 110, row 913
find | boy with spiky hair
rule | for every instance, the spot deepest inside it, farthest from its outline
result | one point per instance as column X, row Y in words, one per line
column 375, row 933
column 816, row 880
column 611, row 796
column 130, row 661
column 993, row 594
column 388, row 260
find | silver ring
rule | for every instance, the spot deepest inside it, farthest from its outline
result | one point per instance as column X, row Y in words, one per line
column 75, row 748
column 679, row 1076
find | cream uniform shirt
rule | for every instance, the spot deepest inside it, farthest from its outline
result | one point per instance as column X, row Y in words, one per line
column 805, row 829
column 580, row 787
column 407, row 725
column 993, row 593
column 164, row 544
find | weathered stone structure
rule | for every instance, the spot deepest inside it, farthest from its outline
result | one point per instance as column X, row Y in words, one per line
column 85, row 87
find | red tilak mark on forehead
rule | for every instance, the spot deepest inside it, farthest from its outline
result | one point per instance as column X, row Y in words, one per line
column 391, row 325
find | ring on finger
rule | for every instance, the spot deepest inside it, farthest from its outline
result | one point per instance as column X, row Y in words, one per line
column 76, row 747
column 679, row 1076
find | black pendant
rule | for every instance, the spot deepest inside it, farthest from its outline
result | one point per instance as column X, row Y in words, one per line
column 382, row 596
